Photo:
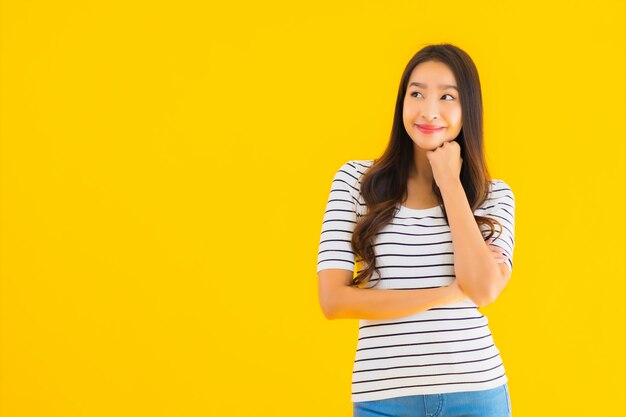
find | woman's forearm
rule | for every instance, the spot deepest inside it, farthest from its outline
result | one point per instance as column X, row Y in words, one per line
column 372, row 303
column 474, row 266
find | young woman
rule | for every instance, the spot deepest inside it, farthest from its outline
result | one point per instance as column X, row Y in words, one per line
column 432, row 235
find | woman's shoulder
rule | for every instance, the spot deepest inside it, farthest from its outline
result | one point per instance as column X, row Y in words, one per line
column 356, row 167
column 360, row 165
column 363, row 162
column 499, row 186
column 500, row 193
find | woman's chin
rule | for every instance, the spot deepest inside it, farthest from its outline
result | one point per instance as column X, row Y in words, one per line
column 429, row 145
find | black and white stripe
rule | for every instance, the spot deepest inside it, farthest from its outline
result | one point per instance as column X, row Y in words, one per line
column 445, row 349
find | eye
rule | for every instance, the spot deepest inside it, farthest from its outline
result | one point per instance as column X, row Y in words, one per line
column 417, row 92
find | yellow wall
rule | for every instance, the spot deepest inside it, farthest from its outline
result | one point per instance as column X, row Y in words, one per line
column 165, row 168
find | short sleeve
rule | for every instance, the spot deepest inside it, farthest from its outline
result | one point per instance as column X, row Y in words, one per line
column 501, row 206
column 335, row 247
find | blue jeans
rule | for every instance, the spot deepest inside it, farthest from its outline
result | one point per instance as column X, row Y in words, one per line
column 494, row 402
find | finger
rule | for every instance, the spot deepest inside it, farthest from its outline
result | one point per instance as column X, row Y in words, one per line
column 491, row 245
column 497, row 251
column 497, row 248
column 499, row 258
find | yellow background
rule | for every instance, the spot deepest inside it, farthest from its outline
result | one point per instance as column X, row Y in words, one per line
column 165, row 168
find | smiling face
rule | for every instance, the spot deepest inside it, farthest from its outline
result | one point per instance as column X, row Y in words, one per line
column 431, row 99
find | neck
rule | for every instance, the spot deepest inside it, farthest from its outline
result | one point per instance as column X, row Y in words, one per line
column 420, row 171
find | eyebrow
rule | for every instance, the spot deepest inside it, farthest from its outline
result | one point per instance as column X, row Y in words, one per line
column 443, row 86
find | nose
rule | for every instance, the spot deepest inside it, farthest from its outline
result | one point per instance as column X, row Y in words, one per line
column 430, row 110
column 430, row 115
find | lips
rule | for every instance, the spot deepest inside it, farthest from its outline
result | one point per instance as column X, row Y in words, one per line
column 429, row 128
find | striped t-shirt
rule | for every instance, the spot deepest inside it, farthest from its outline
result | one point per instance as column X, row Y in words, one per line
column 441, row 350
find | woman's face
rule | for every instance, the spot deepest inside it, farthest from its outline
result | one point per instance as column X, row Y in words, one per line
column 430, row 100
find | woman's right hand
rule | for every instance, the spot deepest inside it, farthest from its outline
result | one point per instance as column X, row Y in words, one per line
column 496, row 251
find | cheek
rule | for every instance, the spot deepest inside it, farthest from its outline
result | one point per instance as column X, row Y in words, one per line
column 456, row 116
column 459, row 113
column 405, row 107
column 406, row 112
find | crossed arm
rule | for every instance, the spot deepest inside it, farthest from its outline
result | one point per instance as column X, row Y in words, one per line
column 478, row 273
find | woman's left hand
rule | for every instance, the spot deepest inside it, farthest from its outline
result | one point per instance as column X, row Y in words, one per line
column 446, row 162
